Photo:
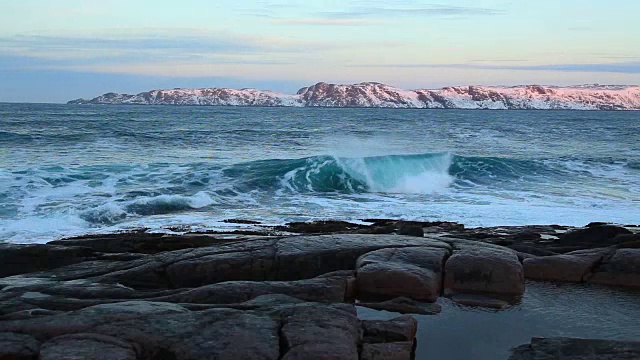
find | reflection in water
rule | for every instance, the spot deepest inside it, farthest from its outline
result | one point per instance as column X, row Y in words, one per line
column 548, row 310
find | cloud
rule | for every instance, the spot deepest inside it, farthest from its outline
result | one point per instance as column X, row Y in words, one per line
column 425, row 10
column 368, row 15
column 178, row 48
column 198, row 44
column 632, row 67
column 326, row 21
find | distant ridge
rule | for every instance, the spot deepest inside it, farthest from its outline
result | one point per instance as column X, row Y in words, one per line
column 372, row 94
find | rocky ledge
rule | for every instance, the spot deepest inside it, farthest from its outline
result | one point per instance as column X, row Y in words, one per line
column 288, row 292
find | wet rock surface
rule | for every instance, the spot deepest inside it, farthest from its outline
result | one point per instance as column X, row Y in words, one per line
column 576, row 349
column 404, row 305
column 228, row 296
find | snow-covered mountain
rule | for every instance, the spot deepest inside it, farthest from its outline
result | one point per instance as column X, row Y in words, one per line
column 371, row 94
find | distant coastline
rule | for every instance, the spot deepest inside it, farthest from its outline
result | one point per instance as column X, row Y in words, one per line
column 377, row 95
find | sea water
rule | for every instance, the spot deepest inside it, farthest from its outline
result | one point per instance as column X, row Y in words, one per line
column 69, row 169
column 546, row 310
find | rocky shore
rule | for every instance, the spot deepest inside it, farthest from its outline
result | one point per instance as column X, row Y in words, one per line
column 291, row 292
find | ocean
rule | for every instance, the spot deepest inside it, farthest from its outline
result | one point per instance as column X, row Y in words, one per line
column 68, row 170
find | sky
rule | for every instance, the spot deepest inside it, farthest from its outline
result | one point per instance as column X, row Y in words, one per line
column 58, row 50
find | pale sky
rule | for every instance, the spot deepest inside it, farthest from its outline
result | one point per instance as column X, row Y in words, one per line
column 57, row 50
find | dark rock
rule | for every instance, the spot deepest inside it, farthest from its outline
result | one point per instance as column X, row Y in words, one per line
column 402, row 328
column 484, row 270
column 292, row 258
column 242, row 221
column 571, row 267
column 388, row 351
column 440, row 225
column 625, row 240
column 211, row 297
column 596, row 223
column 410, row 230
column 502, row 241
column 209, row 334
column 526, row 235
column 311, row 334
column 600, row 235
column 531, row 250
column 266, row 327
column 414, row 272
column 621, row 269
column 145, row 243
column 21, row 259
column 629, row 245
column 523, row 256
column 404, row 305
column 322, row 289
column 87, row 346
column 320, row 227
column 14, row 346
column 28, row 314
column 576, row 349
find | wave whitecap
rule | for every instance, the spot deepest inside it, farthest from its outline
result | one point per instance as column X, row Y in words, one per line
column 425, row 173
column 166, row 204
column 414, row 174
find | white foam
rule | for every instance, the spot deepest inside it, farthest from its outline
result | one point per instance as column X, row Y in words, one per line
column 401, row 174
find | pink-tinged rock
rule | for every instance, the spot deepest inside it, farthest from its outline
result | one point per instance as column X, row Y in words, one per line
column 310, row 334
column 414, row 272
column 622, row 269
column 388, row 351
column 403, row 328
column 571, row 267
column 484, row 270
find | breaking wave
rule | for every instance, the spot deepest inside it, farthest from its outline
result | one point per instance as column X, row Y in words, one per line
column 72, row 200
column 414, row 174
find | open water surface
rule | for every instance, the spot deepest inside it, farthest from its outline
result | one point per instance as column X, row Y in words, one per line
column 68, row 170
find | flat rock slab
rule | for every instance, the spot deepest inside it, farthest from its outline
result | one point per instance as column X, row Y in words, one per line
column 20, row 259
column 286, row 259
column 600, row 234
column 576, row 349
column 330, row 289
column 404, row 305
column 267, row 327
column 46, row 297
column 144, row 243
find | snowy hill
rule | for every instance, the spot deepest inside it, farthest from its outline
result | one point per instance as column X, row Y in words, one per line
column 371, row 94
